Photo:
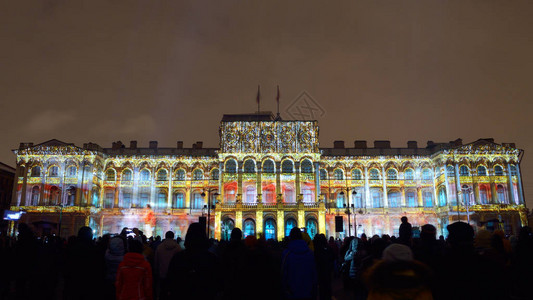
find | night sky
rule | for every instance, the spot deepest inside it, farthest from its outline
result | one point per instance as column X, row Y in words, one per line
column 103, row 71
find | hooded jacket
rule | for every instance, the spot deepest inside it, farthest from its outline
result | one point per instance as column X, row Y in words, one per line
column 113, row 257
column 164, row 253
column 134, row 278
column 299, row 275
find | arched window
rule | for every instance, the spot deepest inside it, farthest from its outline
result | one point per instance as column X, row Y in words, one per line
column 356, row 174
column 514, row 172
column 498, row 171
column 426, row 174
column 464, row 171
column 197, row 174
column 35, row 193
column 179, row 200
column 409, row 174
column 109, row 199
column 162, row 175
column 374, row 174
column 53, row 171
column 249, row 228
column 392, row 174
column 197, row 201
column 323, row 174
column 306, row 166
column 227, row 227
column 287, row 166
column 126, row 175
column 145, row 175
column 250, row 194
column 71, row 172
column 394, row 199
column 249, row 166
column 340, row 200
column 289, row 225
column 450, row 170
column 161, row 200
column 110, row 175
column 481, row 171
column 71, row 196
column 215, row 174
column 268, row 166
column 231, row 166
column 180, row 175
column 428, row 199
column 311, row 227
column 126, row 200
column 502, row 195
column 36, row 172
column 376, row 199
column 410, row 198
column 95, row 197
column 338, row 174
column 270, row 229
column 442, row 197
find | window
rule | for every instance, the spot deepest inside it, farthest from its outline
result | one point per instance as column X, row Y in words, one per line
column 126, row 200
column 464, row 171
column 214, row 174
column 230, row 195
column 498, row 171
column 450, row 170
column 249, row 166
column 161, row 200
column 374, row 174
column 268, row 193
column 162, row 175
column 71, row 196
column 288, row 194
column 71, row 172
column 338, row 174
column 231, row 166
column 428, row 199
column 392, row 174
column 411, row 199
column 110, row 175
column 249, row 228
column 376, row 199
column 268, row 166
column 145, row 198
column 289, row 225
column 340, row 200
column 126, row 175
column 307, row 166
column 180, row 175
column 35, row 171
column 197, row 201
column 481, row 171
column 53, row 171
column 311, row 227
column 323, row 174
column 35, row 192
column 356, row 174
column 409, row 174
column 426, row 174
column 442, row 197
column 250, row 195
column 514, row 172
column 197, row 174
column 394, row 199
column 483, row 195
column 109, row 199
column 287, row 166
column 227, row 227
column 145, row 175
column 179, row 200
column 308, row 195
column 270, row 229
column 501, row 194
column 358, row 200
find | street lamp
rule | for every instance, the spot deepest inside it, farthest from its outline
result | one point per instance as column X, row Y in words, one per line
column 209, row 208
column 348, row 210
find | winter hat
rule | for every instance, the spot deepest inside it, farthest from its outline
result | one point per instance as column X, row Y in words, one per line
column 397, row 252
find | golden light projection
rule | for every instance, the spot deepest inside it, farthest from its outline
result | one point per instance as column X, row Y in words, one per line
column 267, row 177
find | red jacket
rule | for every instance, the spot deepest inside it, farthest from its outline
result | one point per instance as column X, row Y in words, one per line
column 134, row 278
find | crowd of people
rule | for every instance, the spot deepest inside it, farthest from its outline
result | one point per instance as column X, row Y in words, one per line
column 467, row 265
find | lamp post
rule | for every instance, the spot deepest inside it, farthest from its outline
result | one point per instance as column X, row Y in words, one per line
column 348, row 210
column 209, row 208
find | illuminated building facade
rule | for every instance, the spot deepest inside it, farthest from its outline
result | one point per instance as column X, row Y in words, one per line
column 268, row 176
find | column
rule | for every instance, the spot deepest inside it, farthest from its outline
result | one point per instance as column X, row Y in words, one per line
column 519, row 181
column 116, row 197
column 402, row 192
column 297, row 181
column 510, row 185
column 42, row 195
column 136, row 199
column 218, row 215
column 493, row 192
column 258, row 222
column 477, row 200
column 278, row 182
column 259, row 186
column 188, row 196
column 317, row 183
column 78, row 200
column 301, row 218
column 457, row 185
column 238, row 219
column 280, row 223
column 384, row 177
column 221, row 181
column 322, row 218
column 153, row 199
column 435, row 196
column 367, row 188
column 446, row 192
column 23, row 198
column 419, row 196
column 239, row 181
column 170, row 190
